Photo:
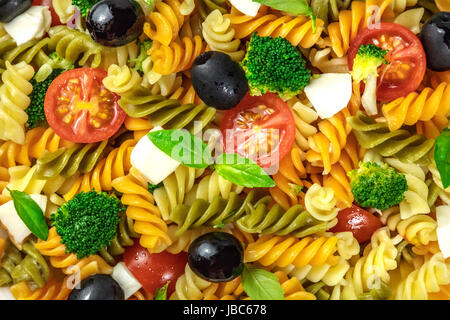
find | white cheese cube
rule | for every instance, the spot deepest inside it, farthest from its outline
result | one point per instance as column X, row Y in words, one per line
column 12, row 222
column 153, row 164
column 247, row 7
column 443, row 229
column 5, row 294
column 330, row 93
column 125, row 279
column 32, row 24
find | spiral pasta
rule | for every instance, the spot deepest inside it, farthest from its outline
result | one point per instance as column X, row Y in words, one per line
column 419, row 229
column 167, row 19
column 401, row 5
column 31, row 52
column 64, row 9
column 231, row 290
column 14, row 100
column 205, row 7
column 219, row 35
column 163, row 112
column 176, row 57
column 189, row 286
column 427, row 279
column 297, row 30
column 75, row 46
column 321, row 203
column 121, row 80
column 146, row 216
column 54, row 289
column 399, row 143
column 182, row 242
column 68, row 262
column 322, row 60
column 418, row 107
column 121, row 56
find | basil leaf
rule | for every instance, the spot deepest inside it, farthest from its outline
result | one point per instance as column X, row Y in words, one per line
column 242, row 171
column 442, row 156
column 161, row 293
column 30, row 213
column 260, row 284
column 183, row 147
column 298, row 7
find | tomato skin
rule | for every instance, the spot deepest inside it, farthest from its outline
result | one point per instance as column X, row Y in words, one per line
column 48, row 3
column 282, row 119
column 80, row 130
column 359, row 221
column 413, row 54
column 153, row 270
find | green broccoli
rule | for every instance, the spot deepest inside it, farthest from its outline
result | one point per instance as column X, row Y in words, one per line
column 153, row 187
column 88, row 222
column 275, row 65
column 377, row 185
column 144, row 47
column 365, row 68
column 84, row 6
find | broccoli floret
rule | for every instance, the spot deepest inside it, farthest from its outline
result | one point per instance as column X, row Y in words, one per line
column 377, row 185
column 84, row 6
column 275, row 65
column 35, row 111
column 54, row 62
column 365, row 68
column 144, row 47
column 153, row 187
column 88, row 222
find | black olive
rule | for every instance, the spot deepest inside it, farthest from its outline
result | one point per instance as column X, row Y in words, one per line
column 216, row 257
column 435, row 37
column 98, row 287
column 9, row 9
column 115, row 23
column 218, row 80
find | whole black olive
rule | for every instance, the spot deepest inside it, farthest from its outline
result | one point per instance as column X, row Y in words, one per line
column 435, row 37
column 216, row 257
column 218, row 80
column 115, row 23
column 9, row 9
column 98, row 287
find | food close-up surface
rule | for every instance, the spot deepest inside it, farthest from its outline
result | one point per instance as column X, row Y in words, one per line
column 224, row 150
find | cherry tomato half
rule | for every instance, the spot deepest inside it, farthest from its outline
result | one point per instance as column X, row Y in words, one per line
column 153, row 270
column 48, row 3
column 359, row 221
column 260, row 128
column 406, row 59
column 80, row 109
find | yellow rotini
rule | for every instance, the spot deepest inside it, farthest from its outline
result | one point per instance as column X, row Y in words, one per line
column 141, row 208
column 220, row 36
column 401, row 5
column 182, row 242
column 189, row 286
column 14, row 100
column 321, row 202
column 423, row 106
column 297, row 30
column 121, row 80
column 55, row 289
column 231, row 290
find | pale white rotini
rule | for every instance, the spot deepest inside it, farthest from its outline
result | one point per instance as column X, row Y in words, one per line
column 304, row 116
column 14, row 100
column 181, row 243
column 64, row 9
column 416, row 197
column 427, row 279
column 321, row 202
column 189, row 286
column 121, row 80
column 410, row 19
column 119, row 55
column 401, row 5
column 322, row 60
column 444, row 194
column 187, row 7
column 219, row 35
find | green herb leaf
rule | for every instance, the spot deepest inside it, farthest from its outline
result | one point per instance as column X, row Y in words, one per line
column 161, row 293
column 30, row 213
column 242, row 171
column 442, row 156
column 298, row 7
column 153, row 187
column 260, row 284
column 220, row 225
column 183, row 147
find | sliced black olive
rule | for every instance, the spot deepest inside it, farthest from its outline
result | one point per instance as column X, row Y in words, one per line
column 435, row 37
column 216, row 257
column 98, row 287
column 9, row 9
column 115, row 22
column 218, row 80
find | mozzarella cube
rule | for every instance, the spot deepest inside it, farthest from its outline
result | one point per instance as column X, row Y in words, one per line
column 12, row 222
column 330, row 93
column 153, row 164
column 32, row 24
column 125, row 279
column 247, row 7
column 443, row 229
column 5, row 294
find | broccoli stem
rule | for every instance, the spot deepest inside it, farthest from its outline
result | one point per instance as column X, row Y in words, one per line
column 369, row 97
